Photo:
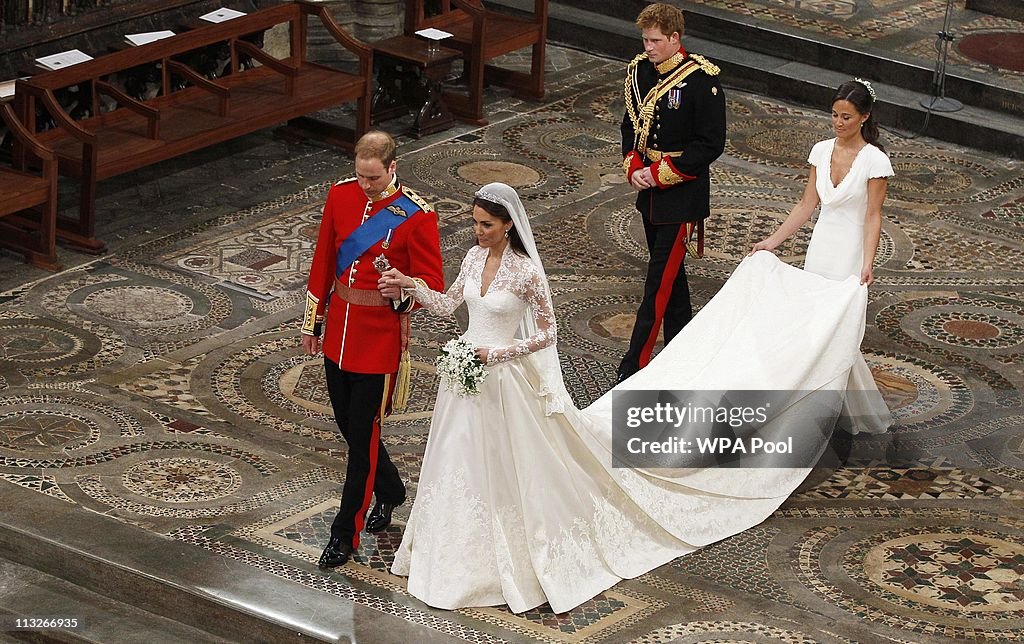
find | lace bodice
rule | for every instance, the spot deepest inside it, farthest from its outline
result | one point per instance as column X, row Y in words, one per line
column 494, row 317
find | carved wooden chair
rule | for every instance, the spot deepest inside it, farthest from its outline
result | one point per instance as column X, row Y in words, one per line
column 481, row 35
column 23, row 190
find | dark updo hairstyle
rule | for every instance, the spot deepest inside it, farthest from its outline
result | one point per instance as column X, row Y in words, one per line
column 859, row 96
column 501, row 212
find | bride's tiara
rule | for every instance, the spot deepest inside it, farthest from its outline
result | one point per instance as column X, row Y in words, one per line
column 867, row 86
column 487, row 196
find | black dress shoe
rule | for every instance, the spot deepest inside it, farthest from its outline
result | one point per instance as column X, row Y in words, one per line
column 335, row 554
column 622, row 376
column 379, row 518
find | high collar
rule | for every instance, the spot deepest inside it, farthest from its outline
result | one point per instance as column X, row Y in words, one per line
column 389, row 191
column 672, row 62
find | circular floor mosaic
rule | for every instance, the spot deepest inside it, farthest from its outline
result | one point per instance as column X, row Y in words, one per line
column 43, row 429
column 976, row 329
column 953, row 581
column 758, row 140
column 138, row 304
column 920, row 395
column 934, row 177
column 707, row 632
column 484, row 172
column 951, row 571
column 53, row 426
column 38, row 342
column 182, row 480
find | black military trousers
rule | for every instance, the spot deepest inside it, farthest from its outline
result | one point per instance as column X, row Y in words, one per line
column 358, row 400
column 666, row 294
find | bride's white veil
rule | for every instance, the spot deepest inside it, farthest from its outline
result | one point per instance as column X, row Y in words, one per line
column 552, row 386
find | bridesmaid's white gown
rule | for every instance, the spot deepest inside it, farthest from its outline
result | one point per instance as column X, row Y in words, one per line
column 518, row 507
column 836, row 251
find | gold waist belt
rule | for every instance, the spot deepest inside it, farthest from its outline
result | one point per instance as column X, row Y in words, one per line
column 359, row 296
column 658, row 155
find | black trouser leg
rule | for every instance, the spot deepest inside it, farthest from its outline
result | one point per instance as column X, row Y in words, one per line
column 666, row 295
column 356, row 399
column 679, row 311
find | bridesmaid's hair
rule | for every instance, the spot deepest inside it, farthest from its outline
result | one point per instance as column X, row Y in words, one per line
column 858, row 94
column 499, row 211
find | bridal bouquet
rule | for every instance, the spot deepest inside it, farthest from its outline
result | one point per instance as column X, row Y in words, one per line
column 460, row 367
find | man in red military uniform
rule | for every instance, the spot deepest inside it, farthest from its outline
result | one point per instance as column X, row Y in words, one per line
column 370, row 223
column 673, row 129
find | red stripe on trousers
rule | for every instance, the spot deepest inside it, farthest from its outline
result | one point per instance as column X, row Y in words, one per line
column 668, row 279
column 371, row 476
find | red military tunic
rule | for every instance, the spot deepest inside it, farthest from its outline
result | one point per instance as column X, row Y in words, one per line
column 359, row 338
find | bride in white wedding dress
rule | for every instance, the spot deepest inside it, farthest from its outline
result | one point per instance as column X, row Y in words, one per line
column 518, row 502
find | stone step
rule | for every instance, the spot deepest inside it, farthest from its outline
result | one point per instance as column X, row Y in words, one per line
column 28, row 593
column 877, row 64
column 806, row 74
column 138, row 572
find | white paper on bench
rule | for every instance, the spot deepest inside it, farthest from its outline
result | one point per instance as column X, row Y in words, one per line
column 7, row 88
column 220, row 15
column 63, row 59
column 147, row 36
column 433, row 34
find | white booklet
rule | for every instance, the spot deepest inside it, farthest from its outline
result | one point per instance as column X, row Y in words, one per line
column 147, row 36
column 433, row 34
column 64, row 59
column 220, row 15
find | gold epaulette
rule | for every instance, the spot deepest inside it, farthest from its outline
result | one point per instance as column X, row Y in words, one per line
column 341, row 181
column 706, row 65
column 416, row 199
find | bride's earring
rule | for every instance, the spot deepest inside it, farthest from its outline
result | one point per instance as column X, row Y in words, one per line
column 506, row 233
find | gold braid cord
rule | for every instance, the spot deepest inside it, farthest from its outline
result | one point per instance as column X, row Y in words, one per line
column 642, row 121
column 628, row 92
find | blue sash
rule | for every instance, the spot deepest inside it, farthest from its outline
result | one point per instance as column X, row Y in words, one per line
column 375, row 229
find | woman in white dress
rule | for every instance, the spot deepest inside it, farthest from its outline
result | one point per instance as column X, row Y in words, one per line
column 518, row 502
column 848, row 177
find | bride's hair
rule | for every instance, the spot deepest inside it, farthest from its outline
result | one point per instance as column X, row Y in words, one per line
column 501, row 212
column 862, row 96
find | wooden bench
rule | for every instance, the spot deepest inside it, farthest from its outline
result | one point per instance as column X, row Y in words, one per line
column 21, row 191
column 205, row 112
column 481, row 35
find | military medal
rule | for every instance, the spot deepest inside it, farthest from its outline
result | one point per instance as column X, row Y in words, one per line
column 675, row 98
column 387, row 240
column 381, row 263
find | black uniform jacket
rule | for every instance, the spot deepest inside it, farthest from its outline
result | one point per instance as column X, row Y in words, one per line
column 678, row 130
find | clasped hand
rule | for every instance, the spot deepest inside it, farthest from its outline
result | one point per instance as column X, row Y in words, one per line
column 642, row 179
column 391, row 283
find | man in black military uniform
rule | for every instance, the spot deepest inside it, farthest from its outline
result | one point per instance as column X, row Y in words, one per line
column 673, row 129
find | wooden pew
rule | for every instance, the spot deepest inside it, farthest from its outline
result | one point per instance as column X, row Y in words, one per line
column 481, row 35
column 205, row 112
column 22, row 190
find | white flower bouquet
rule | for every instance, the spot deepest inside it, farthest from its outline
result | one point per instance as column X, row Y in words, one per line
column 460, row 367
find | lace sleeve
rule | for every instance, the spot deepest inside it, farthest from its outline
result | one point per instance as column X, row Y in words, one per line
column 533, row 291
column 444, row 304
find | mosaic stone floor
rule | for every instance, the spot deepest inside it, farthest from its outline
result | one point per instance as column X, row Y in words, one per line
column 903, row 29
column 162, row 385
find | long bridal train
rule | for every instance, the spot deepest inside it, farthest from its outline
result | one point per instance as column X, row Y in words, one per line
column 525, row 508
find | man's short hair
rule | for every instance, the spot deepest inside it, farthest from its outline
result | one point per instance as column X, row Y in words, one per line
column 377, row 144
column 665, row 17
